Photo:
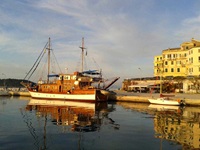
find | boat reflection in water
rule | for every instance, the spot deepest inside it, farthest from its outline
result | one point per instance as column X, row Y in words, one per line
column 180, row 125
column 78, row 115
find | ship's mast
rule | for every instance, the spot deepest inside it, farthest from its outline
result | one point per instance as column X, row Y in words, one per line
column 82, row 48
column 49, row 46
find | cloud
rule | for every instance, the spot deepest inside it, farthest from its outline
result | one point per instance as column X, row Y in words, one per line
column 120, row 36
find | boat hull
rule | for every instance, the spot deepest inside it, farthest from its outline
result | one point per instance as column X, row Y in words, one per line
column 42, row 102
column 93, row 97
column 164, row 102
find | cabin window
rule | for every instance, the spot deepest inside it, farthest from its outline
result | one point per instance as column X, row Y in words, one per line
column 76, row 83
column 60, row 77
column 66, row 77
column 74, row 77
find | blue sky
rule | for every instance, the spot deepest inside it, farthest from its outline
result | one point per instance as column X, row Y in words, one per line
column 121, row 36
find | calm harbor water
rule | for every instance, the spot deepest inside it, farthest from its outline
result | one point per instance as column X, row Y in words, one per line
column 27, row 123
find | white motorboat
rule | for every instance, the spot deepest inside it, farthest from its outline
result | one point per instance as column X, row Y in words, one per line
column 165, row 101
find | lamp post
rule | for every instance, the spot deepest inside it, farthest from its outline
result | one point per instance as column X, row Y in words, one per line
column 140, row 78
column 160, row 71
column 4, row 81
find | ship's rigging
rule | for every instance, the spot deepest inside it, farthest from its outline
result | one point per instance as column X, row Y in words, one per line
column 50, row 62
column 96, row 75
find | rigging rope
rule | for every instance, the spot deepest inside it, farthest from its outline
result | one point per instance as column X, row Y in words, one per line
column 37, row 64
column 56, row 62
column 42, row 52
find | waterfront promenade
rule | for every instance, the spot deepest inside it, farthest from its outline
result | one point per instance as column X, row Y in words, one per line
column 124, row 96
column 189, row 99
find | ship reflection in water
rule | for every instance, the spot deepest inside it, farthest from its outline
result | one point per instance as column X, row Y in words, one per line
column 179, row 125
column 79, row 116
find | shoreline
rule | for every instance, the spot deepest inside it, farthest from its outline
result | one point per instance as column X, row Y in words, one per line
column 124, row 96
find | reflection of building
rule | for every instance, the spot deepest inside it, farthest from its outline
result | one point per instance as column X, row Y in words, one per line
column 182, row 128
column 80, row 116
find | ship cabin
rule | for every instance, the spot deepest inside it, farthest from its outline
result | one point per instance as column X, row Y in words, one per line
column 66, row 83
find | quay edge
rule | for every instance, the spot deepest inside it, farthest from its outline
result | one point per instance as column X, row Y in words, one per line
column 123, row 96
column 188, row 99
column 19, row 93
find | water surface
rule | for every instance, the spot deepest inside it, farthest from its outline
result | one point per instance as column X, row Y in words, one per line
column 33, row 124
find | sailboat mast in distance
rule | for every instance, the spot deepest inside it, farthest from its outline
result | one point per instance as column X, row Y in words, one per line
column 82, row 48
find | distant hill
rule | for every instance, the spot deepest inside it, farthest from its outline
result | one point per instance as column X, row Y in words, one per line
column 12, row 82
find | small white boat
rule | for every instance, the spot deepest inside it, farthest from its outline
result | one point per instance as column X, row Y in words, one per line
column 164, row 101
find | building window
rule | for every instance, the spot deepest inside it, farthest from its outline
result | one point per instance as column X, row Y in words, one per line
column 165, row 62
column 199, row 58
column 178, row 62
column 166, row 70
column 172, row 62
column 172, row 69
column 199, row 50
column 178, row 69
column 185, row 55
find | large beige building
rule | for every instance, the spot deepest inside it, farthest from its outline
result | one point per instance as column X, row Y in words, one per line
column 178, row 67
column 183, row 61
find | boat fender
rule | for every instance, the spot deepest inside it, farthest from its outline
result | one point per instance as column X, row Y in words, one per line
column 68, row 92
column 178, row 100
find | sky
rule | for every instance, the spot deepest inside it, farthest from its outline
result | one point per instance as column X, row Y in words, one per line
column 121, row 37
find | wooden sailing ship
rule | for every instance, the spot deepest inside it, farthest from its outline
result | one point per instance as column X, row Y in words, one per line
column 77, row 86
